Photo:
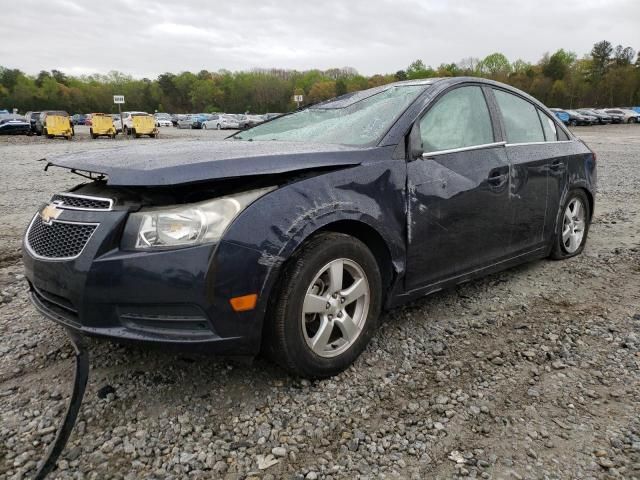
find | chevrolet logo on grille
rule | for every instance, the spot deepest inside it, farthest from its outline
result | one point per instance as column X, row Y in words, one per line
column 49, row 213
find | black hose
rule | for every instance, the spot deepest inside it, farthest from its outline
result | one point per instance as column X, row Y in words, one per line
column 79, row 386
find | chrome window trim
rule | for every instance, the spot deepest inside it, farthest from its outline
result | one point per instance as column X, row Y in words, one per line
column 58, row 259
column 537, row 143
column 463, row 149
column 88, row 197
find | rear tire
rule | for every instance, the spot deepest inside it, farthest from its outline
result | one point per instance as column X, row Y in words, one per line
column 317, row 344
column 632, row 120
column 573, row 123
column 573, row 226
column 218, row 127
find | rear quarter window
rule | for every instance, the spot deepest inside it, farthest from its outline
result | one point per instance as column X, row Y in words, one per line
column 548, row 126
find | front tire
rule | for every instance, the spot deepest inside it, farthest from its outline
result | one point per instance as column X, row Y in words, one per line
column 325, row 308
column 574, row 221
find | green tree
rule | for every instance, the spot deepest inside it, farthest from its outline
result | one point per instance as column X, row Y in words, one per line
column 321, row 91
column 496, row 66
column 558, row 64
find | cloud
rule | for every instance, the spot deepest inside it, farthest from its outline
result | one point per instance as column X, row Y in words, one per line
column 147, row 38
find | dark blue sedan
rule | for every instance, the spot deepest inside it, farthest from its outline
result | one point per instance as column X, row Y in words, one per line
column 290, row 238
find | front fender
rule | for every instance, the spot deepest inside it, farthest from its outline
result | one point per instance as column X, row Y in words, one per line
column 272, row 228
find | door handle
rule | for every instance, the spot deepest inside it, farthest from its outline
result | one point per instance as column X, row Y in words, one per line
column 498, row 177
column 557, row 165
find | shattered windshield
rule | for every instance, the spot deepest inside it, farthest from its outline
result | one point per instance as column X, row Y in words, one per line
column 356, row 119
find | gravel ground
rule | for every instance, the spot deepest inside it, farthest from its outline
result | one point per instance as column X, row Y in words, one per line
column 530, row 373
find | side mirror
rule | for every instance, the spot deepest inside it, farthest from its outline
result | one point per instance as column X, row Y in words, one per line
column 414, row 146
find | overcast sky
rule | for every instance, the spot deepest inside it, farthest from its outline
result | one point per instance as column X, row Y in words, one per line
column 375, row 36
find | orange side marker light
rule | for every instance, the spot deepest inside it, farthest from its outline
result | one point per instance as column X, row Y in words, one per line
column 244, row 303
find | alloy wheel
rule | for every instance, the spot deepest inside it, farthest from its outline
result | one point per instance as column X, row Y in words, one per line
column 335, row 307
column 573, row 225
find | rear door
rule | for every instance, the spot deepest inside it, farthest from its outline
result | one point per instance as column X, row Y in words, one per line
column 458, row 196
column 532, row 151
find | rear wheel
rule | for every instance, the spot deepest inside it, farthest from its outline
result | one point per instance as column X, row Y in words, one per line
column 325, row 308
column 573, row 123
column 632, row 120
column 218, row 127
column 573, row 226
column 204, row 126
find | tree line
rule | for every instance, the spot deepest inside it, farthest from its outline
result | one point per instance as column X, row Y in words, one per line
column 607, row 76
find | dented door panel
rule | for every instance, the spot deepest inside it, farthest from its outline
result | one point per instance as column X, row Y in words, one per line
column 528, row 194
column 458, row 208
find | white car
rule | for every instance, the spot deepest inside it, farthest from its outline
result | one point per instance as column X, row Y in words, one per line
column 630, row 116
column 163, row 120
column 221, row 122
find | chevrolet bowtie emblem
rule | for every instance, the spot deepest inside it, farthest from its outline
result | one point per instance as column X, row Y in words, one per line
column 50, row 212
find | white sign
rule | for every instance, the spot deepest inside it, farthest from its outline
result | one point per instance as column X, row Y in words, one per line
column 297, row 98
column 118, row 99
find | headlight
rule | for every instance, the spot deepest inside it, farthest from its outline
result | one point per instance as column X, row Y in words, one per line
column 185, row 225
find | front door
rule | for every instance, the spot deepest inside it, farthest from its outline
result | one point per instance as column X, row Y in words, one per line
column 458, row 193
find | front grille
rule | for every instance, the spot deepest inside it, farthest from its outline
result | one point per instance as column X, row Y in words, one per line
column 81, row 202
column 59, row 240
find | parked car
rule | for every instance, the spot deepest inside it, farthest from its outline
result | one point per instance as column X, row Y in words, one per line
column 271, row 116
column 4, row 111
column 629, row 116
column 185, row 121
column 253, row 120
column 163, row 120
column 601, row 118
column 117, row 124
column 221, row 122
column 14, row 125
column 291, row 237
column 78, row 119
column 576, row 118
column 561, row 115
column 31, row 118
column 242, row 120
column 615, row 117
column 198, row 119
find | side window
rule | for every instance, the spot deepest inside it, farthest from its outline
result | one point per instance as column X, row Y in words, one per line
column 459, row 119
column 549, row 127
column 521, row 120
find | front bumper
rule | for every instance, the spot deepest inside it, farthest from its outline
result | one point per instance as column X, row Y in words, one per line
column 172, row 297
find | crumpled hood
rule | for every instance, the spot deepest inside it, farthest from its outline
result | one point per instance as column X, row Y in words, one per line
column 179, row 162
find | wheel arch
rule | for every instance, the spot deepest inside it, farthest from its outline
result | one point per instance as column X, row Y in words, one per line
column 373, row 240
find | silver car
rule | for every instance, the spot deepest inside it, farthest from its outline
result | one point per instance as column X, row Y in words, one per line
column 221, row 121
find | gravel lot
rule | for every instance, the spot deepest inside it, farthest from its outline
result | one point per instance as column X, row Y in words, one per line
column 531, row 373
